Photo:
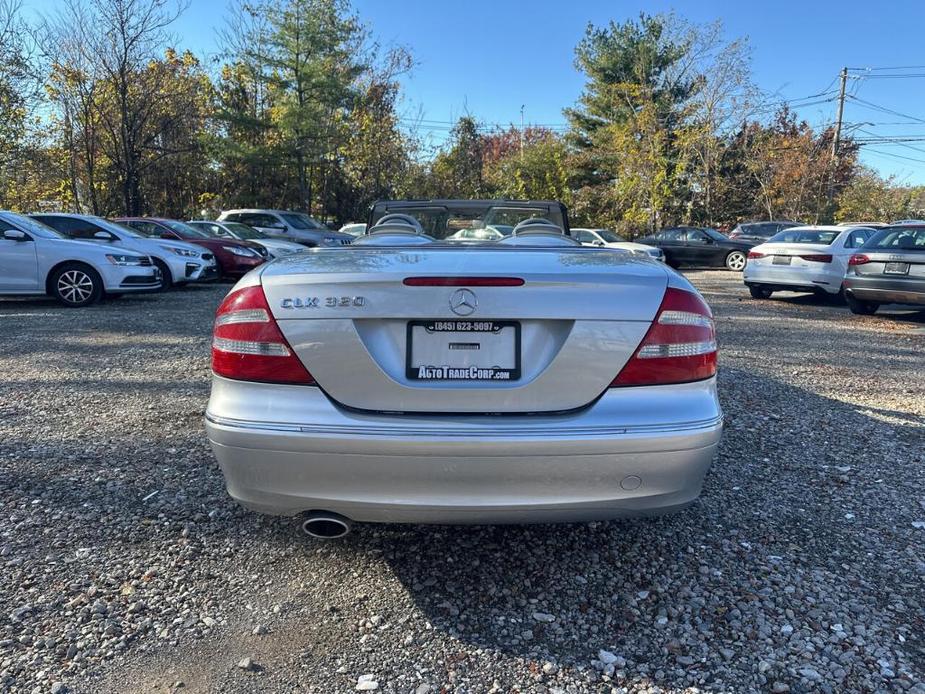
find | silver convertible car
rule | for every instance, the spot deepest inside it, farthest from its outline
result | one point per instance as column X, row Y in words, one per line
column 413, row 378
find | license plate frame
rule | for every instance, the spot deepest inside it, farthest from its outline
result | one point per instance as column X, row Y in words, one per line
column 896, row 268
column 447, row 373
column 782, row 260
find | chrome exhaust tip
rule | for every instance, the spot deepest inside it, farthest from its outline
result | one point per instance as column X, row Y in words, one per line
column 326, row 526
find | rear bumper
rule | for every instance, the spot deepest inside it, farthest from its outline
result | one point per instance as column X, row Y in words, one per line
column 635, row 451
column 898, row 290
column 786, row 278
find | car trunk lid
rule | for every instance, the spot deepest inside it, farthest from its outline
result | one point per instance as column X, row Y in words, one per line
column 557, row 339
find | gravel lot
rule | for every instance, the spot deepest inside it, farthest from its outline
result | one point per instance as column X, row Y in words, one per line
column 125, row 567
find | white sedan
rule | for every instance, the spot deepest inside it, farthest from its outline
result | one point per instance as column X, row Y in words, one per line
column 607, row 239
column 803, row 259
column 36, row 259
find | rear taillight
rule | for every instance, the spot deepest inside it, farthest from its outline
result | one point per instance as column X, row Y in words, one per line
column 679, row 347
column 247, row 344
column 817, row 258
column 755, row 254
column 858, row 259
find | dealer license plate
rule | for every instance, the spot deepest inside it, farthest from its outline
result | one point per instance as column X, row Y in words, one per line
column 463, row 350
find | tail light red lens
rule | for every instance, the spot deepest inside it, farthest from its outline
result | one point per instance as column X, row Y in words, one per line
column 247, row 344
column 679, row 347
column 858, row 259
column 817, row 258
column 755, row 254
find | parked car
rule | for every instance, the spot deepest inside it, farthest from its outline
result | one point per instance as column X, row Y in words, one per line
column 353, row 229
column 608, row 239
column 505, row 381
column 888, row 269
column 276, row 248
column 803, row 259
column 178, row 262
column 233, row 258
column 699, row 247
column 36, row 259
column 908, row 221
column 293, row 226
column 759, row 231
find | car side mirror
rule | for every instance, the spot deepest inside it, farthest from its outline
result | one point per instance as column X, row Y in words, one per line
column 15, row 235
column 105, row 236
column 598, row 243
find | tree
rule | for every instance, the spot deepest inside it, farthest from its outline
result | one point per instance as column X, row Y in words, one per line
column 539, row 171
column 630, row 125
column 868, row 197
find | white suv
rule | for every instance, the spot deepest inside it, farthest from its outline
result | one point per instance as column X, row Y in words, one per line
column 36, row 259
column 293, row 226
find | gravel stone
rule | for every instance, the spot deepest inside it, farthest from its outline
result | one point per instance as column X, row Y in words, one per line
column 140, row 572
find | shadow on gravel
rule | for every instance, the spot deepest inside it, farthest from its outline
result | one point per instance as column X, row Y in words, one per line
column 791, row 502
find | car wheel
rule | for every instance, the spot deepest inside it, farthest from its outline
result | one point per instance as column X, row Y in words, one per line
column 861, row 308
column 760, row 292
column 673, row 264
column 166, row 277
column 76, row 285
column 735, row 261
column 114, row 295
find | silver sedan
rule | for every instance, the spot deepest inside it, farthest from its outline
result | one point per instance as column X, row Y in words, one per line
column 411, row 378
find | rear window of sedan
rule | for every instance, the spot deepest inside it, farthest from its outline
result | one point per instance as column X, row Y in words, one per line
column 792, row 236
column 898, row 238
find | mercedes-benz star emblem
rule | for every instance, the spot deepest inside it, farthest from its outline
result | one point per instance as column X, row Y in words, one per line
column 463, row 302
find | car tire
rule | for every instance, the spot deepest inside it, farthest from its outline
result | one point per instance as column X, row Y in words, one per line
column 759, row 292
column 76, row 285
column 861, row 308
column 735, row 261
column 673, row 264
column 114, row 295
column 166, row 277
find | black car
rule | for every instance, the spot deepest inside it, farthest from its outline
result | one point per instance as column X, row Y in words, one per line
column 701, row 247
column 759, row 232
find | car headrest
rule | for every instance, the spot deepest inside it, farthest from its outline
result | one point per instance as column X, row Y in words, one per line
column 397, row 223
column 538, row 226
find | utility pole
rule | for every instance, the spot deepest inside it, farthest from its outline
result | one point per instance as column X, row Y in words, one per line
column 522, row 130
column 841, row 110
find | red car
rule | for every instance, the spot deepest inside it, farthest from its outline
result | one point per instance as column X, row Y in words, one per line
column 234, row 258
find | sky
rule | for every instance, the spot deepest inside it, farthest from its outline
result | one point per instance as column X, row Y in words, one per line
column 489, row 58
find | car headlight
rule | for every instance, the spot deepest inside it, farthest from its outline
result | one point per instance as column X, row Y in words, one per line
column 655, row 253
column 116, row 259
column 185, row 252
column 244, row 252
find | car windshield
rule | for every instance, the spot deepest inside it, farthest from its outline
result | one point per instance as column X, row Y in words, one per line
column 185, row 230
column 116, row 228
column 467, row 221
column 898, row 239
column 797, row 236
column 242, row 231
column 33, row 226
column 301, row 221
column 609, row 236
column 714, row 234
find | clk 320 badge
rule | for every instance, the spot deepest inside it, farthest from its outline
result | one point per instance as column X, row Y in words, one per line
column 324, row 301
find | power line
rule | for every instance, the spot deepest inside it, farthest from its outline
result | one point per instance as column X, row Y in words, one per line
column 883, row 109
column 896, row 156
